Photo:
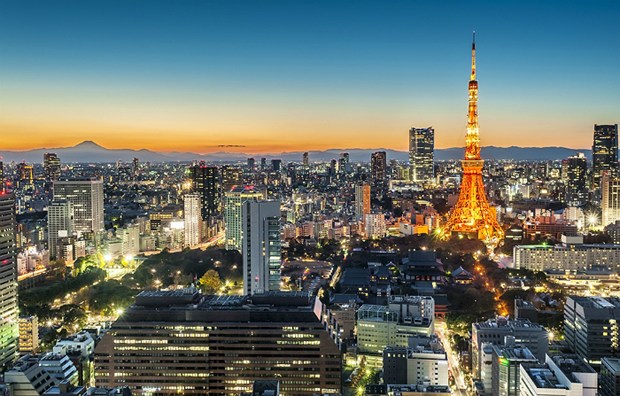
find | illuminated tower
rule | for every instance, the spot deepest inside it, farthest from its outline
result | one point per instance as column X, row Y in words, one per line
column 472, row 214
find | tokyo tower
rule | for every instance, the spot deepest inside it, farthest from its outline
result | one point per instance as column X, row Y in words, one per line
column 472, row 216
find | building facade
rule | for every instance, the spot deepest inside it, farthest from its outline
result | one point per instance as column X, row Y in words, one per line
column 9, row 321
column 604, row 152
column 192, row 220
column 233, row 201
column 180, row 342
column 206, row 182
column 86, row 197
column 422, row 154
column 60, row 224
column 261, row 246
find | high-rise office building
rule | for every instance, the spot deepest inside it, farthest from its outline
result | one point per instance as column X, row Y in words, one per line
column 604, row 152
column 231, row 176
column 9, row 319
column 60, row 224
column 494, row 331
column 251, row 164
column 86, row 196
column 591, row 328
column 506, row 364
column 609, row 379
column 2, row 186
column 362, row 201
column 233, row 201
column 219, row 345
column 192, row 220
column 261, row 246
column 276, row 165
column 25, row 173
column 576, row 172
column 422, row 154
column 378, row 168
column 206, row 182
column 344, row 165
column 51, row 166
column 305, row 161
column 610, row 199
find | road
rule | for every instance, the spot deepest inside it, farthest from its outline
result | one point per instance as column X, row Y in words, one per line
column 453, row 363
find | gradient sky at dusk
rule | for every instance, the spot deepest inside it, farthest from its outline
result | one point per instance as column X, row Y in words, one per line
column 297, row 75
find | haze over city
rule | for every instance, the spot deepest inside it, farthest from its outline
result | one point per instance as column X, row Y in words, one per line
column 274, row 76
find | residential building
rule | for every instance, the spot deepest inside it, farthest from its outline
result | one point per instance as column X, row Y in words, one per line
column 192, row 220
column 28, row 334
column 610, row 199
column 362, row 201
column 374, row 226
column 60, row 224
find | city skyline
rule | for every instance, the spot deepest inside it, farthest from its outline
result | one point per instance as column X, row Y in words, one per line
column 277, row 76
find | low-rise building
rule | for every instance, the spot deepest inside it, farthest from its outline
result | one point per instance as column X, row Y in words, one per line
column 559, row 376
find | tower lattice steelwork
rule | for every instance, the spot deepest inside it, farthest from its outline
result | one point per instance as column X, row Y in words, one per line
column 472, row 214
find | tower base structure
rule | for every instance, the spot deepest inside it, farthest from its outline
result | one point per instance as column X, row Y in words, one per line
column 472, row 215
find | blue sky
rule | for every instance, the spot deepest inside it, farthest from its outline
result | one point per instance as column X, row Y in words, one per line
column 280, row 75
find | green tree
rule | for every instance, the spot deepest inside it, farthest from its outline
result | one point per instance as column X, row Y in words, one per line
column 210, row 282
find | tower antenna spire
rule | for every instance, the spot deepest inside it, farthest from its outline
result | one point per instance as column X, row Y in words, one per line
column 473, row 57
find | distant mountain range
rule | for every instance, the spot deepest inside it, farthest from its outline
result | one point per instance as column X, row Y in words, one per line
column 89, row 151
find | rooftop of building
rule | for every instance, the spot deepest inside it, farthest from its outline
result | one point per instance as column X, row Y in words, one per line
column 503, row 322
column 514, row 353
column 570, row 364
column 612, row 363
column 543, row 377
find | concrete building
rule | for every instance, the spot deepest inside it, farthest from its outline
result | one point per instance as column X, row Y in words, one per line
column 494, row 331
column 261, row 246
column 571, row 255
column 233, row 201
column 9, row 325
column 219, row 345
column 424, row 360
column 60, row 224
column 28, row 378
column 86, row 197
column 51, row 166
column 192, row 220
column 610, row 200
column 380, row 326
column 378, row 168
column 28, row 334
column 609, row 378
column 507, row 361
column 559, row 376
column 374, row 226
column 577, row 169
column 590, row 327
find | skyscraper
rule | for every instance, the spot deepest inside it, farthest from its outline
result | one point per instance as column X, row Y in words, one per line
column 362, row 201
column 305, row 160
column 60, row 224
column 231, row 176
column 604, row 152
column 472, row 214
column 51, row 166
column 86, row 196
column 610, row 202
column 233, row 201
column 206, row 182
column 576, row 171
column 378, row 168
column 421, row 154
column 261, row 246
column 192, row 220
column 9, row 320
